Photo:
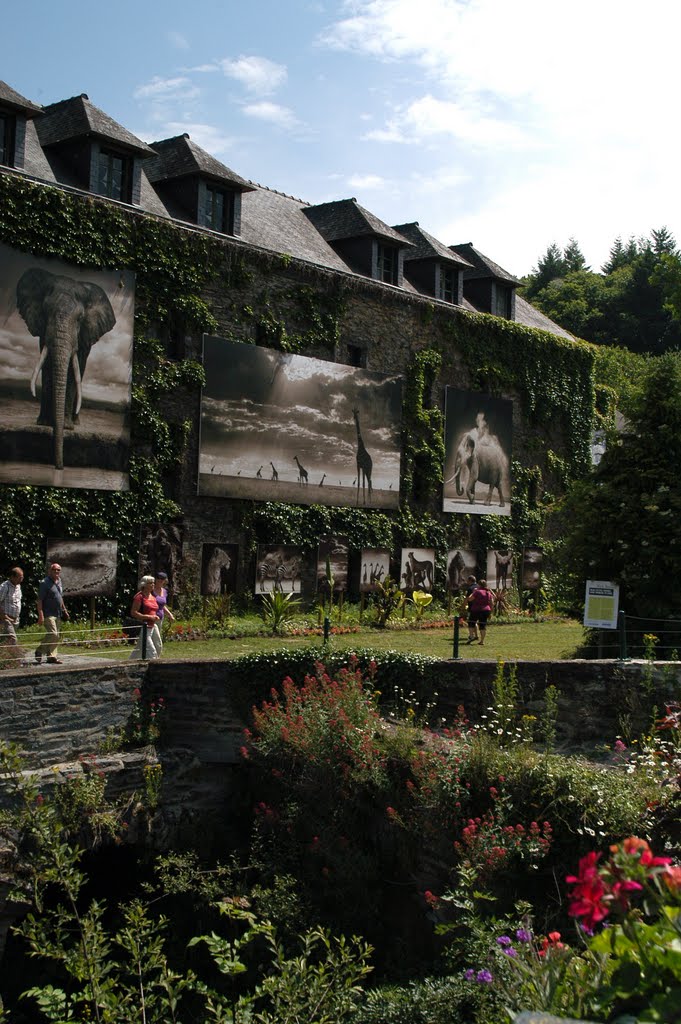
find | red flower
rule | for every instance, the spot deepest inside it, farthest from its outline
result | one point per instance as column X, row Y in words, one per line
column 431, row 899
column 550, row 941
column 588, row 898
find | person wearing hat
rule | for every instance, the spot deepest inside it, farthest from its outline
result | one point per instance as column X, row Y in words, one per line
column 161, row 594
column 144, row 608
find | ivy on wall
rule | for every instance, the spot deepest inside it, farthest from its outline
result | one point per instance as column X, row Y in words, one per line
column 172, row 267
column 176, row 269
column 553, row 377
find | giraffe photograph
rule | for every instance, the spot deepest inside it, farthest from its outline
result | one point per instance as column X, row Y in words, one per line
column 374, row 568
column 337, row 551
column 478, row 433
column 283, row 427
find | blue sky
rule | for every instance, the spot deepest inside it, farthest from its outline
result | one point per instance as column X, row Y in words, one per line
column 507, row 123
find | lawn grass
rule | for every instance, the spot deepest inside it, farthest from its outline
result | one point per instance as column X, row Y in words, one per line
column 550, row 640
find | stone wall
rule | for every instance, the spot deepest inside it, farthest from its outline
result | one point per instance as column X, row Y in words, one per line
column 55, row 715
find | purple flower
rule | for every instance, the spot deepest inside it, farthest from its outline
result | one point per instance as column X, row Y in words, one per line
column 522, row 935
column 510, row 951
column 483, row 978
column 503, row 940
column 470, row 974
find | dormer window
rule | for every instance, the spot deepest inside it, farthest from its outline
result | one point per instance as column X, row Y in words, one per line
column 114, row 175
column 447, row 284
column 503, row 301
column 387, row 263
column 218, row 207
column 7, row 131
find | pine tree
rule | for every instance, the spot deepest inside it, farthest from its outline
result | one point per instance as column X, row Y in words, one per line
column 573, row 257
column 617, row 258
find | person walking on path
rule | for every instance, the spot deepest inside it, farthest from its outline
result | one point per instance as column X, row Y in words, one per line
column 51, row 611
column 160, row 592
column 480, row 605
column 471, row 584
column 10, row 606
column 144, row 608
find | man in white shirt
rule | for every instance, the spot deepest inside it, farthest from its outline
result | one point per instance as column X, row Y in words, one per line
column 10, row 605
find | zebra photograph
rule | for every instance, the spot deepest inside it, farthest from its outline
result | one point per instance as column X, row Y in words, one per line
column 278, row 568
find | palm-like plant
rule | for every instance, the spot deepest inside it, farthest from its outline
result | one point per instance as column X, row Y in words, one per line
column 277, row 609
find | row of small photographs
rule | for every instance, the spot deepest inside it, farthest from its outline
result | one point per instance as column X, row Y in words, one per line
column 283, row 568
column 89, row 566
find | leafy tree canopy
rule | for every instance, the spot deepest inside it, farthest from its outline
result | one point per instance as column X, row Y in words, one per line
column 623, row 521
column 635, row 301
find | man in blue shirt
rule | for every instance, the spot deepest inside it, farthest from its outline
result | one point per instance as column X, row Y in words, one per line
column 51, row 610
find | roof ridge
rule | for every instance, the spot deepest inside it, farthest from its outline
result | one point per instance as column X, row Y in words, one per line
column 277, row 192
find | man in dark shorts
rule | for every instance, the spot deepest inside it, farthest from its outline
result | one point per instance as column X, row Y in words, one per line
column 480, row 605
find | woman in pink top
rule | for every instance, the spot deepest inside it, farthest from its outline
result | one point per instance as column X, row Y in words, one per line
column 144, row 608
column 480, row 605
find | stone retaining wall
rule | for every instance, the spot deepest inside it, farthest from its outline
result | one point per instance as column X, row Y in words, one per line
column 55, row 715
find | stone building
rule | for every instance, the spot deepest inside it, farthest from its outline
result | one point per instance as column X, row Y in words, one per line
column 330, row 280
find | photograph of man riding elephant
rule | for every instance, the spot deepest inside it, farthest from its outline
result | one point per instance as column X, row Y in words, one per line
column 478, row 433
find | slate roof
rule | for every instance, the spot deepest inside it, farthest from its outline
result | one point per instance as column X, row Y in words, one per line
column 483, row 266
column 270, row 220
column 180, row 156
column 78, row 117
column 533, row 317
column 9, row 97
column 279, row 223
column 426, row 247
column 345, row 218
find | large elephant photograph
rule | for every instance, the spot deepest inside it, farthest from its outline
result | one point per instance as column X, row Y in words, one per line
column 65, row 372
column 478, row 434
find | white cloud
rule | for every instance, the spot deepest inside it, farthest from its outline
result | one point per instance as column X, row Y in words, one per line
column 272, row 112
column 561, row 120
column 212, row 139
column 367, row 181
column 429, row 116
column 257, row 74
column 159, row 88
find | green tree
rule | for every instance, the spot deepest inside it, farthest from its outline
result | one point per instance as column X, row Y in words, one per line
column 632, row 303
column 623, row 521
column 549, row 267
column 573, row 256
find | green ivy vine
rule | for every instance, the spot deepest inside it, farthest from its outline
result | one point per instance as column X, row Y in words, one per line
column 176, row 269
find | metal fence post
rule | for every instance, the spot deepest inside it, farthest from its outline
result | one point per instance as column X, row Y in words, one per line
column 455, row 655
column 144, row 641
column 622, row 631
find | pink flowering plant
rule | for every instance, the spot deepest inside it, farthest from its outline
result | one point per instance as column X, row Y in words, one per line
column 329, row 724
column 489, row 846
